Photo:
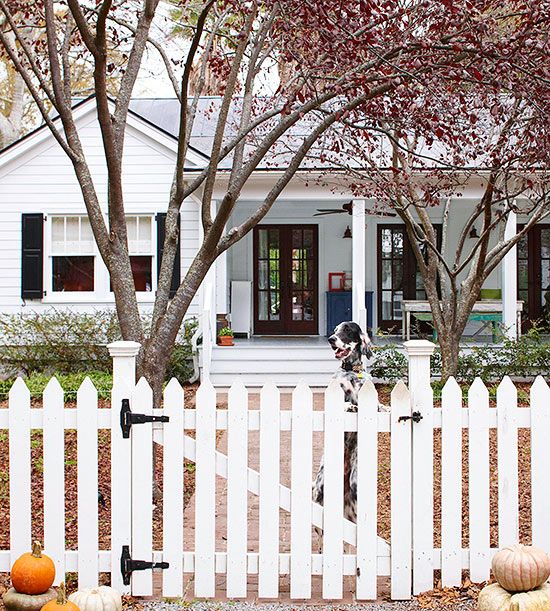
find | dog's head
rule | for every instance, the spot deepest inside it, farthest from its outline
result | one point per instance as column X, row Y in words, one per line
column 350, row 343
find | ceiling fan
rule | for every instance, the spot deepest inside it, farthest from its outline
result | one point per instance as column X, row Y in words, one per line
column 348, row 207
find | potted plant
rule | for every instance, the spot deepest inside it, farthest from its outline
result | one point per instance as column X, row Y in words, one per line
column 225, row 336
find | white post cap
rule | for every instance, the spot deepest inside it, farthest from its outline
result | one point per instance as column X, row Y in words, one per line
column 419, row 347
column 123, row 348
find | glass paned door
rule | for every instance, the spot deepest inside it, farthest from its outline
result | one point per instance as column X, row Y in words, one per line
column 398, row 275
column 285, row 279
column 533, row 256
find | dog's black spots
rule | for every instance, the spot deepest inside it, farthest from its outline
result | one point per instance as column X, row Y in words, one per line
column 349, row 343
column 101, row 499
column 318, row 496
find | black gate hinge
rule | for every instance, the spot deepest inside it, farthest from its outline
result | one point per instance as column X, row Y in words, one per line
column 415, row 417
column 127, row 418
column 128, row 565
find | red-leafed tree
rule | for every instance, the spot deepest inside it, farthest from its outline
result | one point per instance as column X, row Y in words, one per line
column 486, row 141
column 371, row 57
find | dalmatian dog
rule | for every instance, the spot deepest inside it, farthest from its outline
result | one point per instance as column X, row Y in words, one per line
column 349, row 344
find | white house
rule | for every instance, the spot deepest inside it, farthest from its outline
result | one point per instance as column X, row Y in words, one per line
column 272, row 285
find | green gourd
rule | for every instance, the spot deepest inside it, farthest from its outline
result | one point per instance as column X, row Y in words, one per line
column 15, row 601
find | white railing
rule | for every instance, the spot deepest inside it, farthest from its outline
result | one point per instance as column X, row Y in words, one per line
column 208, row 327
column 272, row 449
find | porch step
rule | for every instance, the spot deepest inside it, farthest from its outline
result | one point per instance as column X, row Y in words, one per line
column 284, row 364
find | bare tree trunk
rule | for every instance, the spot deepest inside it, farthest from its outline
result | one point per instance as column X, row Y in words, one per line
column 157, row 348
column 449, row 344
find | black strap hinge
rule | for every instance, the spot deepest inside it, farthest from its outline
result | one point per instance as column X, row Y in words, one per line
column 127, row 418
column 415, row 417
column 128, row 565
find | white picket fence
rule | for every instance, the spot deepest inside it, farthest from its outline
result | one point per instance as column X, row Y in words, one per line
column 408, row 557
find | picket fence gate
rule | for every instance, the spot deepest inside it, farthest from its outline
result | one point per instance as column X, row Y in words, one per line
column 408, row 557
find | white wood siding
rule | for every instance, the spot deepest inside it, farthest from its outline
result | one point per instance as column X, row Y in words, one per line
column 42, row 180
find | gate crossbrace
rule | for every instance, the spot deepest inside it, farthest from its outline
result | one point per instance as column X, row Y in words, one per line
column 253, row 485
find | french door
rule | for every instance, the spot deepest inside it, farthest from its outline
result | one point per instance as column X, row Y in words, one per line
column 286, row 279
column 398, row 274
column 534, row 275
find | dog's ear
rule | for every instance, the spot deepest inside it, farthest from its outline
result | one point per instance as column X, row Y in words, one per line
column 366, row 345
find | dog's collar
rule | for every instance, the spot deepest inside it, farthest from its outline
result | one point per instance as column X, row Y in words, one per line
column 356, row 368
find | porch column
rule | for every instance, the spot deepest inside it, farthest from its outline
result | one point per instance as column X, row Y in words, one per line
column 510, row 282
column 359, row 312
column 209, row 282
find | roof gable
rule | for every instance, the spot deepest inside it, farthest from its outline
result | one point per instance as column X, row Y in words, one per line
column 87, row 109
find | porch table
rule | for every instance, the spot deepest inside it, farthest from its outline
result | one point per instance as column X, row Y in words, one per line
column 487, row 310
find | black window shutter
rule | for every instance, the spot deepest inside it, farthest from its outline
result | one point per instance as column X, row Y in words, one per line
column 161, row 231
column 32, row 256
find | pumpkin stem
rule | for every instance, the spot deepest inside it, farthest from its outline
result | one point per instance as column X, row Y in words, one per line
column 36, row 549
column 61, row 594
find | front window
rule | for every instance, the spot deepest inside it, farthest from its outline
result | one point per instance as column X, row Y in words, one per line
column 73, row 259
column 140, row 246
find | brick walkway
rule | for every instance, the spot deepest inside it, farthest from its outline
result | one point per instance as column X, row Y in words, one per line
column 253, row 512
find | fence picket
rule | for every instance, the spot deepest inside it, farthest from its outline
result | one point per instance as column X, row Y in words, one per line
column 87, row 485
column 172, row 490
column 20, row 468
column 507, row 443
column 478, row 467
column 333, row 465
column 367, row 492
column 401, row 490
column 268, row 577
column 142, row 488
column 205, row 491
column 237, row 493
column 423, row 492
column 540, row 463
column 300, row 516
column 54, row 477
column 451, row 484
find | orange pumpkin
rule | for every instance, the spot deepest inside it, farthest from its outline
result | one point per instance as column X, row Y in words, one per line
column 33, row 573
column 61, row 603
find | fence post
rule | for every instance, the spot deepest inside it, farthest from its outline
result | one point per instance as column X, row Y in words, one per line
column 124, row 379
column 419, row 353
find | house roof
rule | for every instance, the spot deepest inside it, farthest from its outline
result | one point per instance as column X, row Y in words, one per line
column 161, row 115
column 159, row 118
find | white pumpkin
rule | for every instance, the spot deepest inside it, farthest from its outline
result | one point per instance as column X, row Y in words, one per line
column 496, row 598
column 520, row 568
column 102, row 598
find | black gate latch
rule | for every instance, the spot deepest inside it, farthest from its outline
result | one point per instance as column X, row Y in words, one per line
column 127, row 418
column 416, row 417
column 127, row 565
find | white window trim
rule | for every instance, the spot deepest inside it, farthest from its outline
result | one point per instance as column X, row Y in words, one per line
column 52, row 296
column 101, row 293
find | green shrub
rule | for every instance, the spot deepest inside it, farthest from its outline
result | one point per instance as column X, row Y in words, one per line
column 527, row 357
column 57, row 341
column 70, row 383
column 63, row 342
column 388, row 363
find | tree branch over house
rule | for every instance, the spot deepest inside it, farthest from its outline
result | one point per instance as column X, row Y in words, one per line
column 416, row 168
column 363, row 59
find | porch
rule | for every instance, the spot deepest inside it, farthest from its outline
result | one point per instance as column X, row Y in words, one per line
column 289, row 345
column 287, row 360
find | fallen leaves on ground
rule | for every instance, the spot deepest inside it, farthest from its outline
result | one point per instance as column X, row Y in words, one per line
column 441, row 597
